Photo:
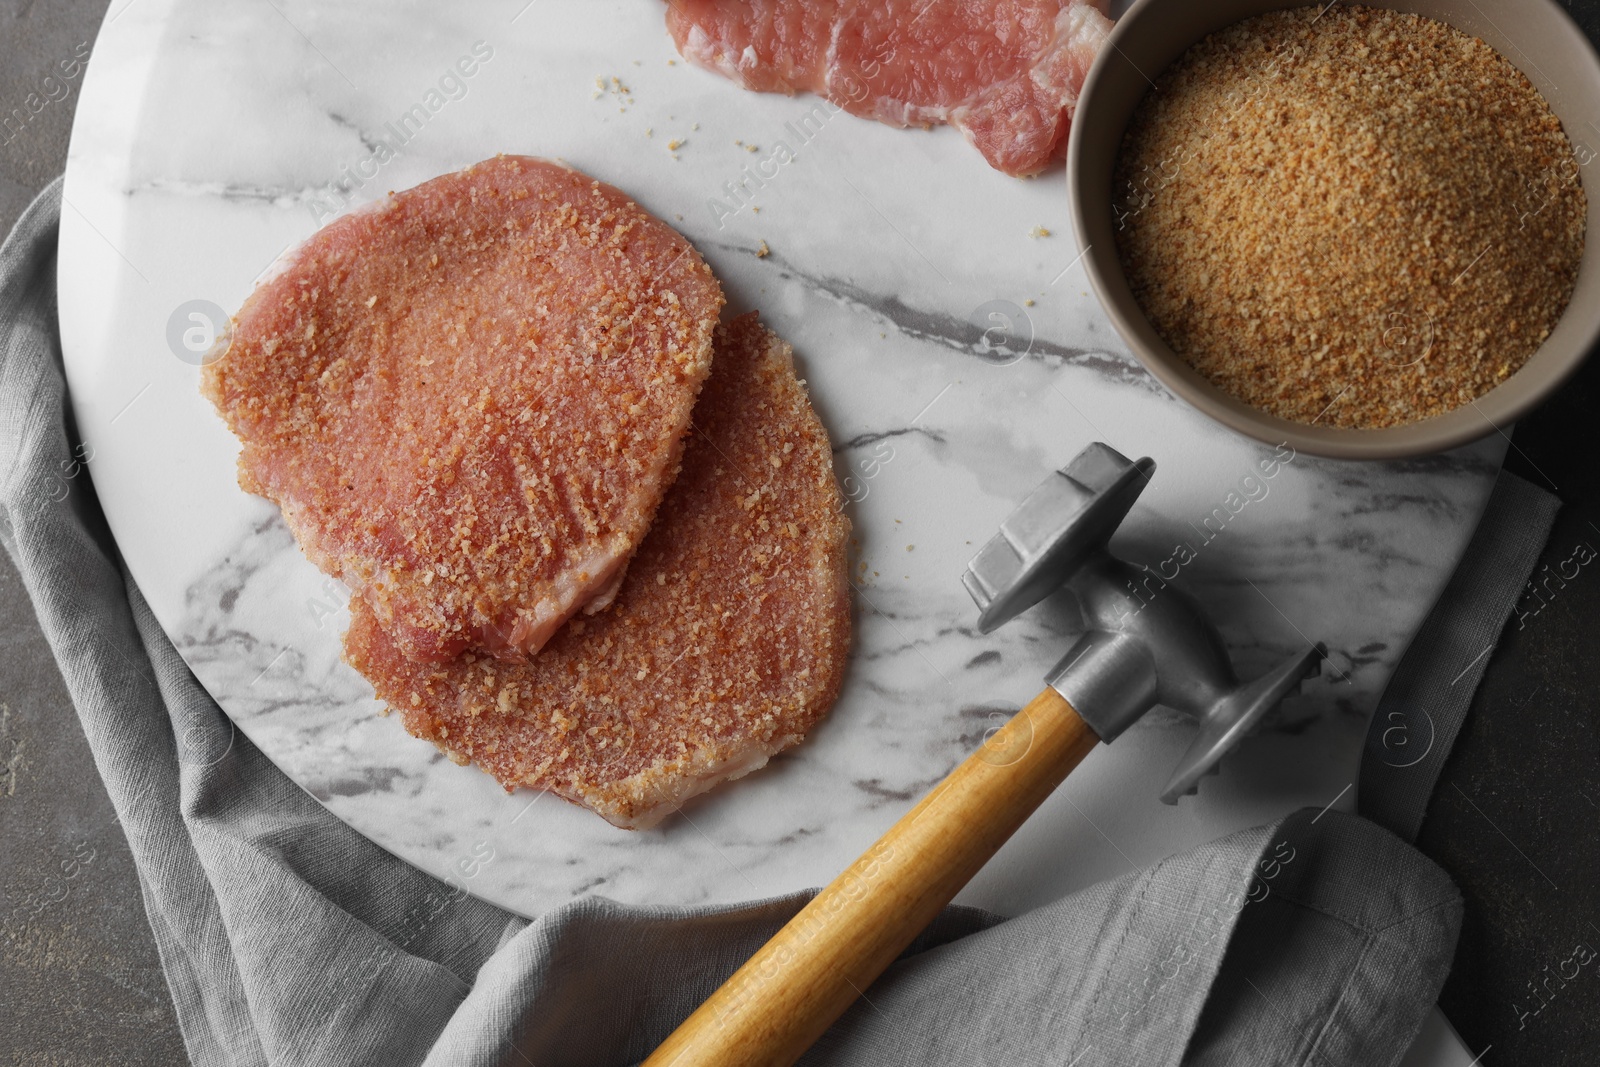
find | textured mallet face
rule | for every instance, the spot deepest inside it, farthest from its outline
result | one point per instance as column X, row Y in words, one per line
column 1042, row 543
column 470, row 400
column 726, row 643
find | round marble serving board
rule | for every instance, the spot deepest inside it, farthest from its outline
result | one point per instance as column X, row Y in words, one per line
column 213, row 135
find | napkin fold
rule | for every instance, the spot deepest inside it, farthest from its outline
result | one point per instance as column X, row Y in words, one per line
column 1423, row 708
column 288, row 938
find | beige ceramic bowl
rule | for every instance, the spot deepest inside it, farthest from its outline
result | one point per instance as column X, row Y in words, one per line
column 1535, row 35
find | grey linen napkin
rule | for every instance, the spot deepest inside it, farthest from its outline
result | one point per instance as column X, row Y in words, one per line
column 288, row 938
column 1420, row 714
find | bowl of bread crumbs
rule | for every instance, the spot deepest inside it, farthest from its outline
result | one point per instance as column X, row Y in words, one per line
column 1360, row 230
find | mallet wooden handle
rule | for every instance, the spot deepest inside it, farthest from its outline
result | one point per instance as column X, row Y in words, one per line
column 788, row 993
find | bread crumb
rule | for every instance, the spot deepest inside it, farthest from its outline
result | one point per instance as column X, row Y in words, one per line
column 1353, row 217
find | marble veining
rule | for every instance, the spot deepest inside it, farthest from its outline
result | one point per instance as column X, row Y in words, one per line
column 955, row 357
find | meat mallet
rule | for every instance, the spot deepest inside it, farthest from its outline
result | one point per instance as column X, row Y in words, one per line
column 1144, row 642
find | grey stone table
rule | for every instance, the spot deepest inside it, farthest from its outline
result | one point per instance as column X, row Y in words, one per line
column 79, row 977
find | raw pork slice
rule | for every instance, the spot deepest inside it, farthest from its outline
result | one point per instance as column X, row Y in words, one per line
column 726, row 643
column 1006, row 72
column 469, row 399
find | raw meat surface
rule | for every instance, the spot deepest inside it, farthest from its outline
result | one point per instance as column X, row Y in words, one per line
column 1005, row 72
column 726, row 644
column 469, row 399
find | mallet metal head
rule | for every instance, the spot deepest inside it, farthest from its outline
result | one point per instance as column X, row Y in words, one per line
column 1144, row 641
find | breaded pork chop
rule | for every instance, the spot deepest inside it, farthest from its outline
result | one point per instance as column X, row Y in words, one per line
column 726, row 643
column 469, row 399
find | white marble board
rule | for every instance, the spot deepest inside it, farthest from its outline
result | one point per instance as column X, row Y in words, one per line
column 210, row 137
